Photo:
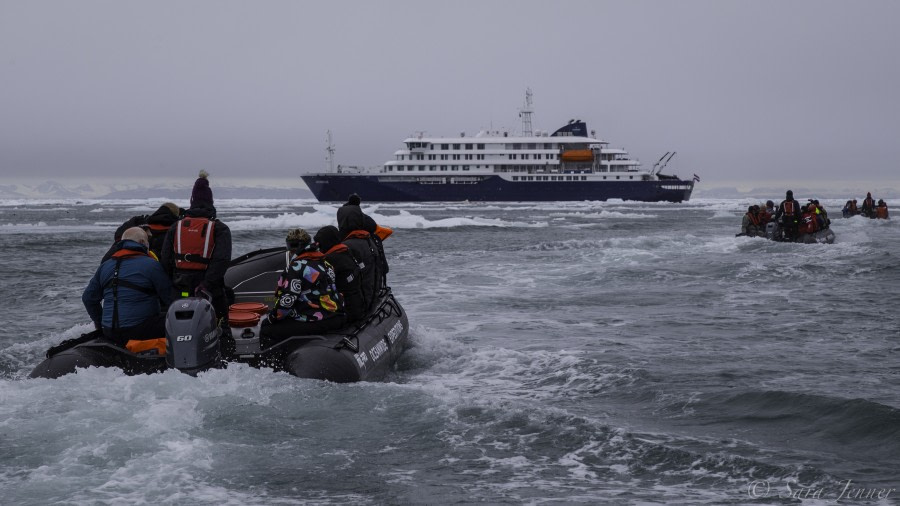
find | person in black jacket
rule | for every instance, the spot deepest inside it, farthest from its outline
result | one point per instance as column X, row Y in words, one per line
column 197, row 250
column 358, row 232
column 868, row 206
column 156, row 225
column 788, row 215
column 346, row 271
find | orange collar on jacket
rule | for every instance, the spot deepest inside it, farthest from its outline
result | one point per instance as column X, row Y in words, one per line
column 337, row 248
column 125, row 253
column 156, row 227
column 310, row 255
column 358, row 234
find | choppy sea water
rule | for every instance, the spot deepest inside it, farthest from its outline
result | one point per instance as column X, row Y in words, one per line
column 593, row 352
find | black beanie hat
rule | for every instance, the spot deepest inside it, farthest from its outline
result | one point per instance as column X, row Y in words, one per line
column 354, row 200
column 201, row 192
column 789, row 194
column 327, row 237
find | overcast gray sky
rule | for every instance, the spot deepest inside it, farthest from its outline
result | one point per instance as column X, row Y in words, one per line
column 755, row 91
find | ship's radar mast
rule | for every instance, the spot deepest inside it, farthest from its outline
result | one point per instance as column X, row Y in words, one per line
column 329, row 148
column 525, row 114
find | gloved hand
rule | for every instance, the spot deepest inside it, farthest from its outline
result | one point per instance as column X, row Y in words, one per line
column 202, row 291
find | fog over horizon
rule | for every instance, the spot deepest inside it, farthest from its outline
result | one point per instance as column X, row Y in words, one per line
column 750, row 94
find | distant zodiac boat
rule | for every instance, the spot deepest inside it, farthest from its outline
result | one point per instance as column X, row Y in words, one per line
column 567, row 165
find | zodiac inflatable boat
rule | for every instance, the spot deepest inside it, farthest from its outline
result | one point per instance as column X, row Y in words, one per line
column 364, row 351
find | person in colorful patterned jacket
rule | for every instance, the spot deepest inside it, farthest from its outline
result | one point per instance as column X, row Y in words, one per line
column 134, row 291
column 307, row 300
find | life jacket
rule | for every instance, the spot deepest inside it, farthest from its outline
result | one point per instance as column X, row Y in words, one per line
column 809, row 223
column 853, row 208
column 194, row 243
column 358, row 234
column 147, row 346
column 311, row 255
column 764, row 217
column 789, row 208
column 881, row 212
column 158, row 229
column 337, row 248
column 383, row 232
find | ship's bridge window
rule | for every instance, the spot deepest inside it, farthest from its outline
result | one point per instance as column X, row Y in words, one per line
column 468, row 146
column 445, row 146
column 456, row 146
column 548, row 145
column 480, row 146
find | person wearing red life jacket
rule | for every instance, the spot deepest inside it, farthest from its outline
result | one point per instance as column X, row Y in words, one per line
column 881, row 211
column 134, row 291
column 750, row 224
column 346, row 270
column 764, row 215
column 197, row 251
column 809, row 223
column 868, row 206
column 307, row 300
column 821, row 214
column 788, row 215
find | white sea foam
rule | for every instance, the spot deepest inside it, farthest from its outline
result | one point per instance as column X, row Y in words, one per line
column 42, row 228
column 323, row 215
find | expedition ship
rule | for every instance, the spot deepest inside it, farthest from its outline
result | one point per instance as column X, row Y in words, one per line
column 567, row 165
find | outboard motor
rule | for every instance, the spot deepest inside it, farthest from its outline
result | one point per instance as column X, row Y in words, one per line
column 192, row 336
column 773, row 231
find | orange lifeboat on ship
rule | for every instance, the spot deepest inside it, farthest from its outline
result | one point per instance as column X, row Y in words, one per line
column 577, row 155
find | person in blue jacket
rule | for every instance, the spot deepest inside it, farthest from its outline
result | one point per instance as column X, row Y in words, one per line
column 129, row 294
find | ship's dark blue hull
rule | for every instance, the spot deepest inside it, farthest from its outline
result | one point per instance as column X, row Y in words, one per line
column 377, row 188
